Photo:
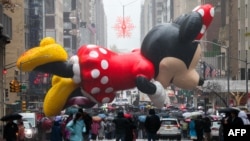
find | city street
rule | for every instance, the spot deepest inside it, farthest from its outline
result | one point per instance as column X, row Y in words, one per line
column 1, row 138
column 146, row 140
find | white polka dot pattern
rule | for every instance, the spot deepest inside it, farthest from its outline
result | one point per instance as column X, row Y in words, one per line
column 101, row 75
column 95, row 73
column 104, row 80
column 212, row 12
column 109, row 90
column 207, row 13
column 91, row 46
column 104, row 64
column 201, row 11
column 93, row 54
column 103, row 51
column 95, row 90
column 106, row 100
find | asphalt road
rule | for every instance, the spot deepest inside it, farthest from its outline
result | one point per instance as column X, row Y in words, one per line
column 1, row 139
column 146, row 140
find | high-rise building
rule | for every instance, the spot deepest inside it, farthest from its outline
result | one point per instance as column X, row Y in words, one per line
column 25, row 23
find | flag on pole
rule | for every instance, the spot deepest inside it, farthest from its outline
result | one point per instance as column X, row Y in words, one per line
column 213, row 72
column 92, row 28
column 207, row 70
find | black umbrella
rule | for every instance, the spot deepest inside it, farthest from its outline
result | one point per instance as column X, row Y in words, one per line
column 11, row 117
column 229, row 110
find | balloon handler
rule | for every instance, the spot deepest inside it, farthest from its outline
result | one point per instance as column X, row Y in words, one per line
column 168, row 55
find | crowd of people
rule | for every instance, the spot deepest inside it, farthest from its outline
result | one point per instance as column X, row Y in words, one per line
column 81, row 126
column 199, row 128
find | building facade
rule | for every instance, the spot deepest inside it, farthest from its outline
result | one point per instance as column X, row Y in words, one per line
column 225, row 44
column 25, row 23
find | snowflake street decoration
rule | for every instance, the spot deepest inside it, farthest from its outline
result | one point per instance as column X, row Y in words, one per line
column 123, row 27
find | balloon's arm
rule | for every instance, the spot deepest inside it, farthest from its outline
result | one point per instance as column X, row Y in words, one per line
column 154, row 89
column 145, row 86
column 160, row 97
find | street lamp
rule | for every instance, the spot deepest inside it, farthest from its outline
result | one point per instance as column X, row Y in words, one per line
column 124, row 26
column 246, row 69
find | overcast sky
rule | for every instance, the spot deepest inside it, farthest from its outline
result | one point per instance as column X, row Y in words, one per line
column 113, row 10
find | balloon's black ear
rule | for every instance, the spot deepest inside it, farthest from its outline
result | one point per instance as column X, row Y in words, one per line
column 190, row 26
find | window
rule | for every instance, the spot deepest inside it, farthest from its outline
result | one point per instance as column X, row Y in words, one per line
column 50, row 8
column 169, row 122
column 124, row 100
column 50, row 22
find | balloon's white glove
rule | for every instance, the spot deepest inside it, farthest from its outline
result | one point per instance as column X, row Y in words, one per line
column 159, row 97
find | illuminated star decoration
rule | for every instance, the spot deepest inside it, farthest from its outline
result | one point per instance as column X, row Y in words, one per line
column 123, row 27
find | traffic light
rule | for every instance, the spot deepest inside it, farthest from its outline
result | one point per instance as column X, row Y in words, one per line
column 18, row 87
column 15, row 86
column 12, row 85
column 6, row 93
column 24, row 105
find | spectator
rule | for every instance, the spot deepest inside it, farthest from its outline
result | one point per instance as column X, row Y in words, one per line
column 65, row 131
column 109, row 129
column 101, row 132
column 21, row 135
column 223, row 126
column 141, row 129
column 192, row 130
column 243, row 116
column 130, row 134
column 75, row 127
column 88, row 121
column 199, row 127
column 207, row 128
column 47, row 126
column 234, row 121
column 184, row 128
column 56, row 131
column 152, row 125
column 95, row 126
column 121, row 125
column 10, row 131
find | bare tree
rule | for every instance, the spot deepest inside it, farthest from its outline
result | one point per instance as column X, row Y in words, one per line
column 238, row 96
column 215, row 88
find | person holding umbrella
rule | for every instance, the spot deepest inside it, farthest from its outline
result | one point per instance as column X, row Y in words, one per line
column 10, row 131
column 234, row 121
column 75, row 127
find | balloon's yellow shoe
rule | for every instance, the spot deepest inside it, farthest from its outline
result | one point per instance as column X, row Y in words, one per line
column 48, row 51
column 57, row 95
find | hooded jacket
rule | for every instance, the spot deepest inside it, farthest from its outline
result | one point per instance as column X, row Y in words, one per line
column 121, row 123
column 152, row 122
